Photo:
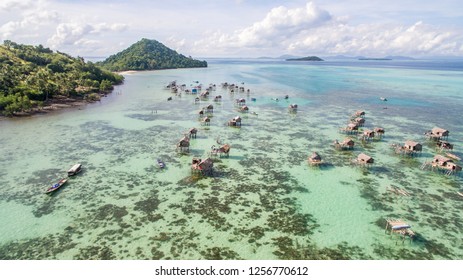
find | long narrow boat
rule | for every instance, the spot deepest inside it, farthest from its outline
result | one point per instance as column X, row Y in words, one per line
column 56, row 186
column 161, row 164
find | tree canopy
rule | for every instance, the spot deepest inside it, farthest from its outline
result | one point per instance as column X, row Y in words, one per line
column 32, row 75
column 149, row 55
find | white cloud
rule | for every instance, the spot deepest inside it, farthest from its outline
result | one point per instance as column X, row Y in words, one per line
column 312, row 30
column 76, row 33
column 8, row 5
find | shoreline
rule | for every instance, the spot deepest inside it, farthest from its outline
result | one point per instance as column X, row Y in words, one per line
column 53, row 105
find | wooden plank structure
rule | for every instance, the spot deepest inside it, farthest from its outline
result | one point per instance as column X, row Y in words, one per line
column 346, row 144
column 444, row 145
column 236, row 122
column 203, row 167
column 400, row 227
column 444, row 164
column 437, row 133
column 223, row 150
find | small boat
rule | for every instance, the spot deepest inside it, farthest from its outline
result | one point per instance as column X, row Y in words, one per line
column 56, row 186
column 161, row 164
column 383, row 98
column 460, row 194
column 75, row 169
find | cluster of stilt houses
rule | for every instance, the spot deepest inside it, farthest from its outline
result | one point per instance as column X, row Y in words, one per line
column 354, row 131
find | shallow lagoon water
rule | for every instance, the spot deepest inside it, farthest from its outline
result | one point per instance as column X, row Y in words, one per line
column 264, row 201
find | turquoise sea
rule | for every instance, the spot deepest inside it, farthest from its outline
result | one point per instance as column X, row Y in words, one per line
column 262, row 202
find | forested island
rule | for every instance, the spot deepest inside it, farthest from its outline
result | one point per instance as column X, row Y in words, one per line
column 307, row 58
column 33, row 77
column 149, row 55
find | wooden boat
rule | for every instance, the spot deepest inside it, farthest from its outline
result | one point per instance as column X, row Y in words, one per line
column 56, row 186
column 75, row 169
column 383, row 98
column 161, row 164
column 460, row 194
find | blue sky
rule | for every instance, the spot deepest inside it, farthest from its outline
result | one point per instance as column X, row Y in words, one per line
column 239, row 28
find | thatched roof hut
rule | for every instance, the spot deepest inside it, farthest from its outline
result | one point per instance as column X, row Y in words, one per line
column 348, row 142
column 413, row 146
column 441, row 160
column 365, row 159
column 368, row 134
column 446, row 164
column 359, row 121
column 244, row 108
column 440, row 132
column 352, row 127
column 359, row 113
column 437, row 133
column 192, row 132
column 202, row 166
column 315, row 158
column 206, row 120
column 236, row 121
column 184, row 142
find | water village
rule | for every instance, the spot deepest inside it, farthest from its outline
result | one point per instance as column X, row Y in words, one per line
column 443, row 161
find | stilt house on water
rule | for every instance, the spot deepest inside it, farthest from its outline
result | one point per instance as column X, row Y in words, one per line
column 203, row 167
column 292, row 108
column 206, row 121
column 443, row 164
column 364, row 159
column 367, row 135
column 192, row 133
column 346, row 144
column 379, row 132
column 183, row 145
column 244, row 109
column 223, row 150
column 75, row 169
column 315, row 159
column 358, row 114
column 437, row 133
column 351, row 128
column 409, row 148
column 236, row 121
column 359, row 121
column 209, row 108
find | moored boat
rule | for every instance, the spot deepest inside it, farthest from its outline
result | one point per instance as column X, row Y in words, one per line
column 75, row 169
column 56, row 186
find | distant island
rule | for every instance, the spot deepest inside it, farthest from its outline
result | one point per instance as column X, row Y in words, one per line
column 307, row 58
column 36, row 79
column 149, row 55
column 374, row 58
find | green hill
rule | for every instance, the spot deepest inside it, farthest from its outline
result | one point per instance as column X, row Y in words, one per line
column 149, row 55
column 32, row 76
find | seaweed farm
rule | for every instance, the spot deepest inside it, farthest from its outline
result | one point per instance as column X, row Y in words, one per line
column 263, row 200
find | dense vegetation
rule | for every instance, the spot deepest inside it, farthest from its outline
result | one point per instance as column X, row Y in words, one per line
column 32, row 76
column 307, row 58
column 149, row 55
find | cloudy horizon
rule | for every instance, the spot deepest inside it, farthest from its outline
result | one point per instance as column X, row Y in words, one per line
column 239, row 28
